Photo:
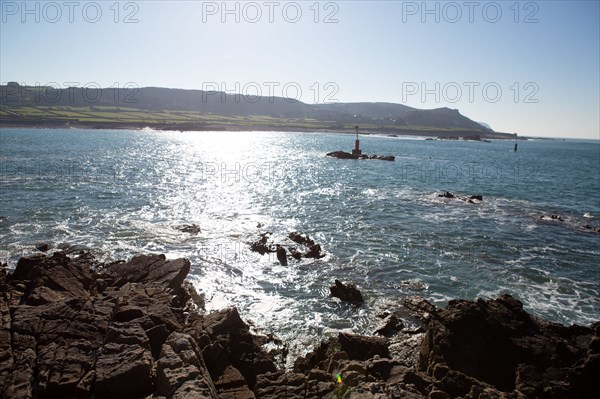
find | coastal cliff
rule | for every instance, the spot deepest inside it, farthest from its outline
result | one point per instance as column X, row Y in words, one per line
column 75, row 327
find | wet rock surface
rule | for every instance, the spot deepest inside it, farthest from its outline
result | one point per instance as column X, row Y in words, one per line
column 71, row 327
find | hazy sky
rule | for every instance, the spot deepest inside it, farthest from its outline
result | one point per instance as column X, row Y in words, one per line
column 529, row 67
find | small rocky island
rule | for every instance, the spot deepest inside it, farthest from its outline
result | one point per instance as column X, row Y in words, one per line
column 75, row 327
column 357, row 153
column 347, row 155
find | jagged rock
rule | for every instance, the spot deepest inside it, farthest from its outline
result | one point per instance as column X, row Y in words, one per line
column 346, row 292
column 124, row 363
column 61, row 365
column 69, row 331
column 498, row 343
column 157, row 336
column 227, row 342
column 73, row 333
column 318, row 358
column 21, row 380
column 446, row 194
column 53, row 278
column 222, row 321
column 419, row 307
column 232, row 385
column 181, row 371
column 406, row 348
column 279, row 384
column 389, row 325
column 123, row 371
column 153, row 269
column 363, row 348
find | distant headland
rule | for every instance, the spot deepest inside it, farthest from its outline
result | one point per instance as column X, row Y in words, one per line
column 197, row 110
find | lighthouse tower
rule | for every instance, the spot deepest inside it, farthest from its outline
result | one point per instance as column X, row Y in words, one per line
column 356, row 151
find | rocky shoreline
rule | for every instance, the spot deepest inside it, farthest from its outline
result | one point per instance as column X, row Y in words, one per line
column 74, row 327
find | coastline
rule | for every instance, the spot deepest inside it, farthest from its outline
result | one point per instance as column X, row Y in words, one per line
column 200, row 127
column 72, row 326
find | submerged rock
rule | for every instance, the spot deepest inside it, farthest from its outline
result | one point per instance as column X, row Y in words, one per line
column 192, row 229
column 595, row 229
column 553, row 217
column 471, row 199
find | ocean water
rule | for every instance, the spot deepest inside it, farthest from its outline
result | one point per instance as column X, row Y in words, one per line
column 382, row 224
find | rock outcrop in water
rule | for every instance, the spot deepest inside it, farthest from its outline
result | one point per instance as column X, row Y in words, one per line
column 192, row 229
column 309, row 248
column 471, row 199
column 346, row 292
column 73, row 327
column 347, row 155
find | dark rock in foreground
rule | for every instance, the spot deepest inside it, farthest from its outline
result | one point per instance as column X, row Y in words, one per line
column 347, row 155
column 127, row 330
column 123, row 332
column 497, row 343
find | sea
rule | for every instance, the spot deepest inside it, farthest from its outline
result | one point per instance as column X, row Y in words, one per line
column 382, row 225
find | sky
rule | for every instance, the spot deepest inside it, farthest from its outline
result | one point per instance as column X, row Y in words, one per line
column 526, row 67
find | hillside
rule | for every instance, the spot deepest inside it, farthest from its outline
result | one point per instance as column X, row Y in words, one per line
column 179, row 109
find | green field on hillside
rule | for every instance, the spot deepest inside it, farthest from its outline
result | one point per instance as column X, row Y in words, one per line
column 127, row 115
